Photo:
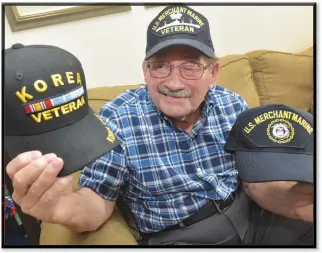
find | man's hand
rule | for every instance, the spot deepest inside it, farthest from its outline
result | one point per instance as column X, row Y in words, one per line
column 302, row 196
column 36, row 187
column 290, row 199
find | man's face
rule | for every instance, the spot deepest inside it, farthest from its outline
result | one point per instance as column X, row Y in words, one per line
column 174, row 95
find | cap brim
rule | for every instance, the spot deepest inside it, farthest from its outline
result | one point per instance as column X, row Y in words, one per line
column 182, row 41
column 78, row 144
column 256, row 167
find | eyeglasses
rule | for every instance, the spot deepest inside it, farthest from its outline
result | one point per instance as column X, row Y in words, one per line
column 188, row 70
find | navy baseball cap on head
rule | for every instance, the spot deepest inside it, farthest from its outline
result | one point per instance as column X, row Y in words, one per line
column 46, row 107
column 179, row 25
column 273, row 142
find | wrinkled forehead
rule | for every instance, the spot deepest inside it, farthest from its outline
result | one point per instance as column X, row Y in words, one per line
column 178, row 53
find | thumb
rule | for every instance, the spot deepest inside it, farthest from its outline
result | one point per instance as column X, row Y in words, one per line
column 67, row 183
column 304, row 188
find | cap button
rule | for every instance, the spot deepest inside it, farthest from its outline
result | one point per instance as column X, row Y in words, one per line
column 17, row 46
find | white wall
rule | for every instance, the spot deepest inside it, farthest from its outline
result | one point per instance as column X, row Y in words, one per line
column 112, row 47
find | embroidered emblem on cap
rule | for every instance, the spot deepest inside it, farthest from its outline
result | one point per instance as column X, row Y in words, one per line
column 53, row 102
column 280, row 131
column 177, row 20
column 52, row 107
column 280, row 126
column 110, row 135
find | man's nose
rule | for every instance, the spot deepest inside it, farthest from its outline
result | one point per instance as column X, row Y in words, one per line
column 174, row 80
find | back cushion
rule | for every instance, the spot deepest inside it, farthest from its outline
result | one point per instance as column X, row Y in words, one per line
column 283, row 77
column 236, row 74
column 97, row 97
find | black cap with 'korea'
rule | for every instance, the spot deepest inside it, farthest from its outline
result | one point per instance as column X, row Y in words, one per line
column 273, row 142
column 46, row 107
column 179, row 25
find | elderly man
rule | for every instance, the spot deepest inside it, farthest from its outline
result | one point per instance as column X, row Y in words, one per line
column 170, row 168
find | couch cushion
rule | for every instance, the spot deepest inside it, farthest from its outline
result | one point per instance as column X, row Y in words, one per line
column 283, row 77
column 307, row 52
column 236, row 74
column 115, row 231
column 97, row 97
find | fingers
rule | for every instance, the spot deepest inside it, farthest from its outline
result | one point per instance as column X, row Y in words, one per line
column 52, row 196
column 21, row 161
column 57, row 189
column 25, row 177
column 304, row 188
column 43, row 182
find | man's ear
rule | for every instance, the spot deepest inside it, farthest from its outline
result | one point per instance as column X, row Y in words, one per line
column 145, row 69
column 214, row 73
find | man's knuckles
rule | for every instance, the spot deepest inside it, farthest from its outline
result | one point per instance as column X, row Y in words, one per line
column 16, row 198
column 63, row 183
column 54, row 192
column 22, row 177
column 36, row 189
column 18, row 181
column 43, row 161
column 20, row 161
column 48, row 199
column 25, row 210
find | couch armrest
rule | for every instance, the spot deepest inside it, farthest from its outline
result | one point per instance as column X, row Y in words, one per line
column 311, row 110
column 114, row 232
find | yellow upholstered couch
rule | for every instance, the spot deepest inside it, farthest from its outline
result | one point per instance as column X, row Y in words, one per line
column 260, row 76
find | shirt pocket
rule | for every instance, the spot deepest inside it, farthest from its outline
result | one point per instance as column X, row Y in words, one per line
column 163, row 179
column 216, row 164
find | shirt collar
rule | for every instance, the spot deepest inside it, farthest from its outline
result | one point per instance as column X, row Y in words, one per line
column 207, row 104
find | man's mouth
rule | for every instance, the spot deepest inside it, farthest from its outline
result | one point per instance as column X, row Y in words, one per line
column 171, row 96
column 174, row 94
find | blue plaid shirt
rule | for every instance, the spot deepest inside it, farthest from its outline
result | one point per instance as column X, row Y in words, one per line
column 164, row 173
